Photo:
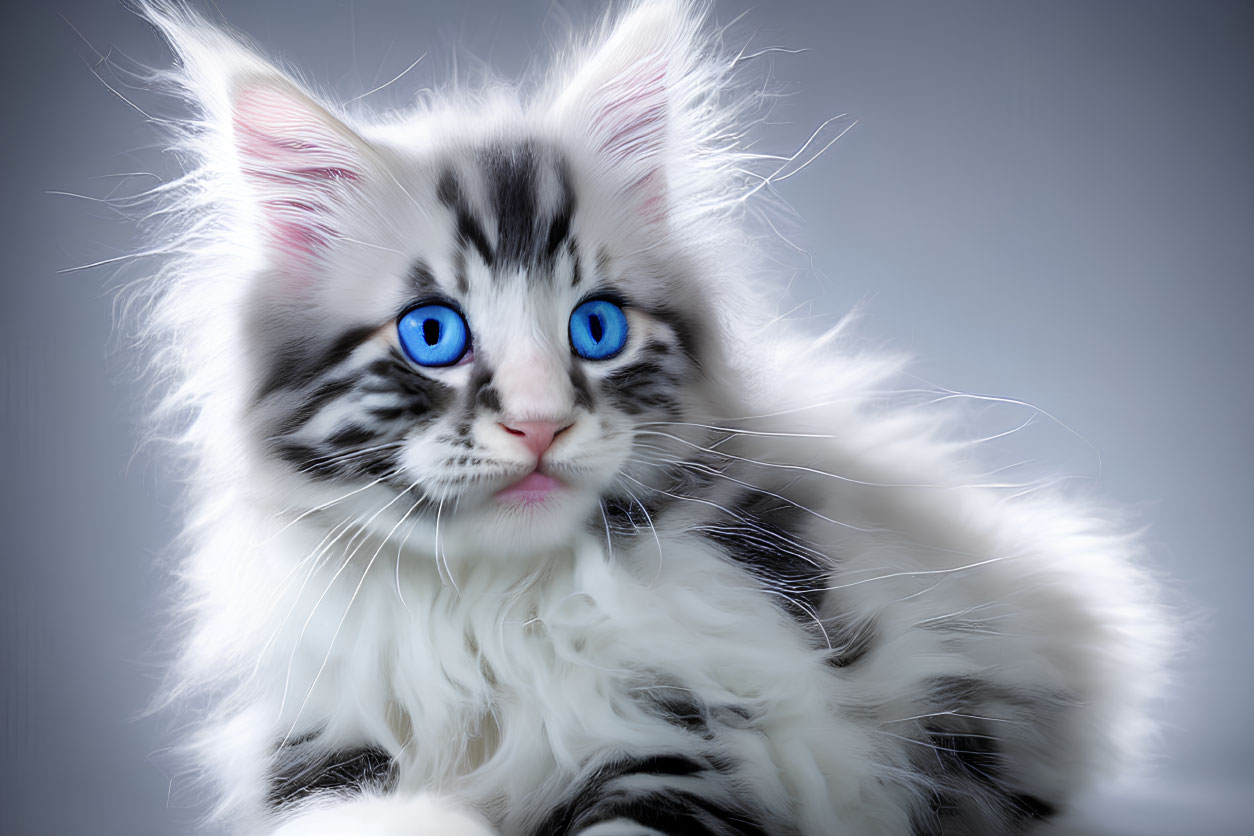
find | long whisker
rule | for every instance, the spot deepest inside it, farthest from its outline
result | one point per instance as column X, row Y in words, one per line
column 330, row 583
column 794, row 467
column 715, row 472
column 439, row 550
column 609, row 541
column 315, row 560
column 656, row 539
column 388, row 83
column 923, row 572
column 347, row 607
column 401, row 548
column 736, row 430
column 327, row 505
column 819, row 560
column 322, row 462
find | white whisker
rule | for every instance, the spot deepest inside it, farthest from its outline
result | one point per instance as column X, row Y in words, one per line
column 397, row 78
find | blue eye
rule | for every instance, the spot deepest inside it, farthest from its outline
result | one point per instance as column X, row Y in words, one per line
column 433, row 335
column 598, row 330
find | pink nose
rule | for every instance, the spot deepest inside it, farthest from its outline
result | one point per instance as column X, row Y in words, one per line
column 536, row 436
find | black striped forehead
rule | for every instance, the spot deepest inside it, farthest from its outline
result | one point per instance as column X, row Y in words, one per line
column 512, row 205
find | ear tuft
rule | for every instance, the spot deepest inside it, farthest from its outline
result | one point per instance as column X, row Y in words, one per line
column 626, row 95
column 301, row 162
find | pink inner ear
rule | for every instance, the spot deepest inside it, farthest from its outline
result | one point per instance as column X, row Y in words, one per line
column 299, row 164
column 633, row 114
column 631, row 121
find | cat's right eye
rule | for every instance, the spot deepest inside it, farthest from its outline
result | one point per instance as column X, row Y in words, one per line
column 433, row 335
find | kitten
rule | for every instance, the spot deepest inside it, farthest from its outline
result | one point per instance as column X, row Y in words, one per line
column 514, row 511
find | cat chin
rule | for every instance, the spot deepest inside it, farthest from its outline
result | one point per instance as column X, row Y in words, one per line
column 518, row 529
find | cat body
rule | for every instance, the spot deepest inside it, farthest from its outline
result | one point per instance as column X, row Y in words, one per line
column 704, row 580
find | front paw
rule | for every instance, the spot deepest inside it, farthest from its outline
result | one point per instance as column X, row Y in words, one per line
column 389, row 816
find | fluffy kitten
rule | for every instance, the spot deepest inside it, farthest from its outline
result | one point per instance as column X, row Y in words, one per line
column 514, row 511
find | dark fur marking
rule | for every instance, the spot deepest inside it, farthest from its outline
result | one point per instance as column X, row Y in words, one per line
column 511, row 173
column 314, row 401
column 558, row 232
column 469, row 230
column 419, row 400
column 576, row 267
column 964, row 757
column 1033, row 808
column 851, row 642
column 559, row 229
column 386, row 414
column 643, row 386
column 294, row 365
column 680, row 812
column 679, row 707
column 691, row 476
column 302, row 770
column 352, row 436
column 687, row 332
column 480, row 380
column 488, row 399
column 324, row 462
column 628, row 516
column 421, row 280
column 305, row 457
column 656, row 348
column 582, row 388
column 459, row 272
column 421, row 396
column 765, row 540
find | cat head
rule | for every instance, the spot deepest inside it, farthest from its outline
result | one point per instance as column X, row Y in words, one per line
column 494, row 314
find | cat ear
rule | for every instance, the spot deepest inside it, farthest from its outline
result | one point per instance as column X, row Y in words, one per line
column 301, row 163
column 298, row 165
column 629, row 97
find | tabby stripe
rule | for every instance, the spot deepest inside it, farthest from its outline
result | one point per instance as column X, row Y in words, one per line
column 961, row 754
column 301, row 770
column 422, row 280
column 613, row 793
column 511, row 171
column 294, row 366
column 766, row 541
column 469, row 231
column 559, row 229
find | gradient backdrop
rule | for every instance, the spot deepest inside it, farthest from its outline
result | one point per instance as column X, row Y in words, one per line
column 1050, row 201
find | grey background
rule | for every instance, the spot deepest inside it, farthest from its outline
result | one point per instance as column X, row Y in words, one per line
column 1050, row 201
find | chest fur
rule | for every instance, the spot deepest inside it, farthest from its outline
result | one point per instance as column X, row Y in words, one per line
column 464, row 679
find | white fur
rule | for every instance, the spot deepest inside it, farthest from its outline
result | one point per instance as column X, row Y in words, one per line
column 417, row 816
column 494, row 660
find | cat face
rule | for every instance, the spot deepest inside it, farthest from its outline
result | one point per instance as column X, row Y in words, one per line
column 500, row 368
column 479, row 312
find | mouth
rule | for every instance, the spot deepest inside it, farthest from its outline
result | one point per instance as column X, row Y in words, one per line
column 533, row 489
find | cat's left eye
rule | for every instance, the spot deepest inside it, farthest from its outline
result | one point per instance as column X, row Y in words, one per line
column 433, row 335
column 598, row 329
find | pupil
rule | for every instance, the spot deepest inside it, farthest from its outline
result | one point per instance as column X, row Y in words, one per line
column 431, row 331
column 595, row 326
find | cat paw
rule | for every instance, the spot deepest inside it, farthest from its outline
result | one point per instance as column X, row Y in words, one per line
column 389, row 816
